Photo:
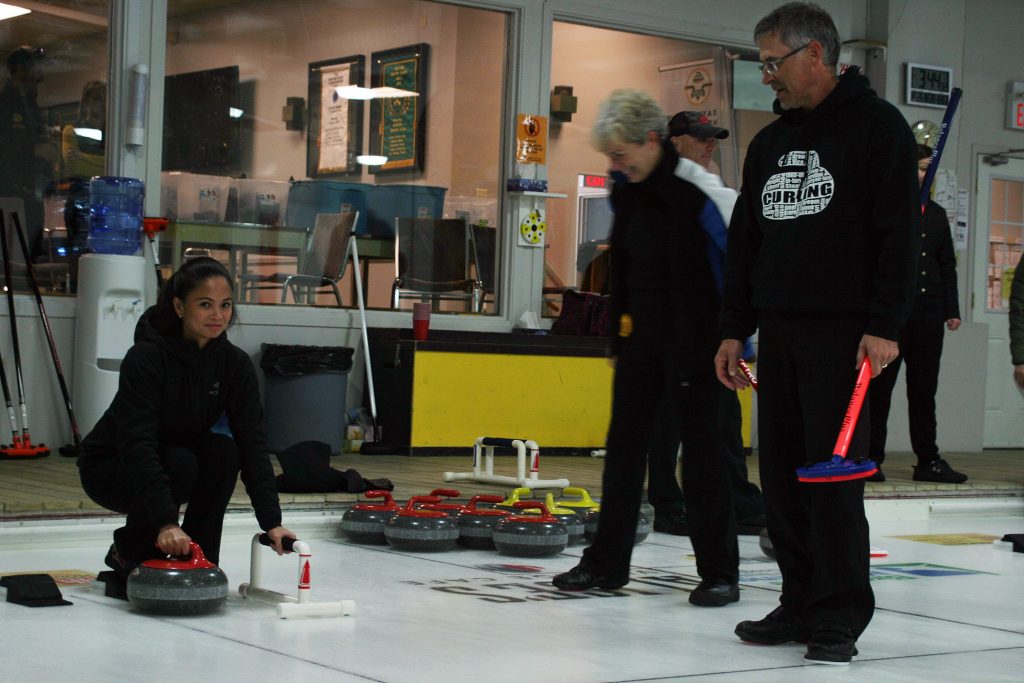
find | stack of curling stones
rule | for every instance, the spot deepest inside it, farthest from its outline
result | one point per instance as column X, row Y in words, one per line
column 476, row 524
column 523, row 535
column 418, row 529
column 364, row 522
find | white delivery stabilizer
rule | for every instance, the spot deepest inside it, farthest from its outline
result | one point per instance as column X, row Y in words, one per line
column 289, row 606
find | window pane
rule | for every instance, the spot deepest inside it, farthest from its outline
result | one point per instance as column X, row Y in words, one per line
column 249, row 186
column 52, row 126
column 681, row 75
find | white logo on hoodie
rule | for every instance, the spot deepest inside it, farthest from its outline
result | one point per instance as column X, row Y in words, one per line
column 791, row 194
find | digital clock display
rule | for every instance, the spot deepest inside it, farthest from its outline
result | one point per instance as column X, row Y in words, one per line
column 931, row 80
column 928, row 86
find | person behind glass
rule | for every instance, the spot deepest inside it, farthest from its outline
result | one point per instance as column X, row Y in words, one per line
column 662, row 279
column 1017, row 323
column 23, row 148
column 695, row 139
column 152, row 450
column 820, row 262
column 936, row 304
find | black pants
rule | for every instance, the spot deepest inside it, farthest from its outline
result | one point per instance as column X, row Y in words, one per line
column 806, row 372
column 203, row 476
column 921, row 346
column 640, row 384
column 663, row 490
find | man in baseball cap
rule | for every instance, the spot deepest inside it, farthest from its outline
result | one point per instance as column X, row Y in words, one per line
column 694, row 136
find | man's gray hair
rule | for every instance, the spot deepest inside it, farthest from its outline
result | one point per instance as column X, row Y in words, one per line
column 798, row 23
column 627, row 116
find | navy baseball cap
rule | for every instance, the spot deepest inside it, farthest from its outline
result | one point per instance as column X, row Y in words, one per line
column 696, row 124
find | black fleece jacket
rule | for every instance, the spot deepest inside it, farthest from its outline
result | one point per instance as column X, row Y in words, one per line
column 171, row 392
column 828, row 217
column 660, row 273
column 935, row 293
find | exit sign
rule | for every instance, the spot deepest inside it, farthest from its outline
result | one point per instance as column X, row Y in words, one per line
column 1015, row 106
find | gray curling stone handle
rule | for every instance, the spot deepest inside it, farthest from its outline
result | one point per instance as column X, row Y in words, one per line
column 287, row 542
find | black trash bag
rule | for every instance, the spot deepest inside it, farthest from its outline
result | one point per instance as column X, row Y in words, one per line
column 289, row 360
column 307, row 469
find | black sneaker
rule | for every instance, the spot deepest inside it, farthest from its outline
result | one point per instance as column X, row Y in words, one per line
column 121, row 565
column 780, row 626
column 714, row 593
column 579, row 578
column 878, row 476
column 831, row 644
column 940, row 472
column 674, row 523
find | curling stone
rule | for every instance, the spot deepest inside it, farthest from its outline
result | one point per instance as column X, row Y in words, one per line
column 766, row 544
column 568, row 517
column 413, row 528
column 449, row 508
column 530, row 535
column 580, row 505
column 193, row 585
column 364, row 522
column 476, row 524
column 643, row 526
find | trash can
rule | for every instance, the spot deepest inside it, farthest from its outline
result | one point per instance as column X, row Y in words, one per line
column 304, row 394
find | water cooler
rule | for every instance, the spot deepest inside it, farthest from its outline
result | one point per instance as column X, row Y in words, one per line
column 111, row 292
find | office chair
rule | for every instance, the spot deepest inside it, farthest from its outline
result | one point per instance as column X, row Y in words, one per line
column 432, row 262
column 323, row 266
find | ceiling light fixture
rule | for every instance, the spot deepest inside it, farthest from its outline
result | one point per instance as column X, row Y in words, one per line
column 372, row 159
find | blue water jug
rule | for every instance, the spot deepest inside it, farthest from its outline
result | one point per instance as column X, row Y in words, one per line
column 115, row 215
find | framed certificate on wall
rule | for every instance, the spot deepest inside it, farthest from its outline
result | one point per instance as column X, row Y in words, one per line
column 398, row 109
column 335, row 127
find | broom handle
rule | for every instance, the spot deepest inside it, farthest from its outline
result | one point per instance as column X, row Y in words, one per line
column 860, row 390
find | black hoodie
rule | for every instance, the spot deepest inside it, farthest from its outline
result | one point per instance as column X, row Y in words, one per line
column 660, row 272
column 171, row 392
column 828, row 216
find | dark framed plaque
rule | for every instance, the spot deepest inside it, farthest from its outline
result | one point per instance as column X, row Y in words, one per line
column 335, row 127
column 398, row 124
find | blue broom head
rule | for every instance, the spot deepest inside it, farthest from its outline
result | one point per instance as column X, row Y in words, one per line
column 836, row 469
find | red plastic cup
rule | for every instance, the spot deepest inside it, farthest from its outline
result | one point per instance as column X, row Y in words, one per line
column 420, row 321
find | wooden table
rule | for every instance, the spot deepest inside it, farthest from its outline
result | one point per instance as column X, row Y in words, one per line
column 239, row 239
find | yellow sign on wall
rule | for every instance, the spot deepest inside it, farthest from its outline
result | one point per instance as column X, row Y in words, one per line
column 531, row 139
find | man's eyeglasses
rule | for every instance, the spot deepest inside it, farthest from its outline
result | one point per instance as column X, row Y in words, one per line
column 771, row 66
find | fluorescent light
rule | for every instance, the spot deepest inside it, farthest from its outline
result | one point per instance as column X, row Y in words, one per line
column 371, row 159
column 356, row 92
column 393, row 92
column 91, row 133
column 235, row 113
column 11, row 11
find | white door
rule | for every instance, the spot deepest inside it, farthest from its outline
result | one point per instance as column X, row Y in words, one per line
column 999, row 229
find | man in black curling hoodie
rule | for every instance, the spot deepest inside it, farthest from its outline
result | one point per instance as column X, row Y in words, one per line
column 153, row 450
column 820, row 261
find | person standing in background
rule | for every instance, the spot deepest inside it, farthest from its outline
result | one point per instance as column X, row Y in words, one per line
column 936, row 305
column 1017, row 323
column 23, row 149
column 695, row 139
